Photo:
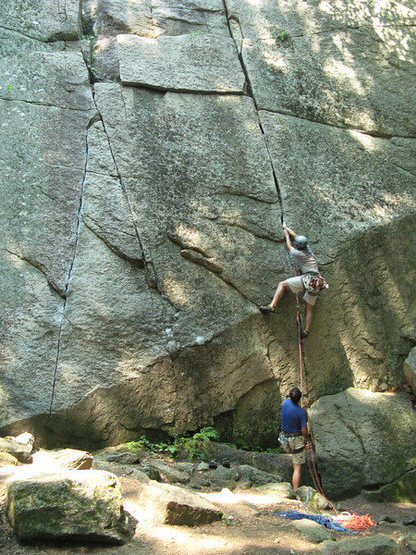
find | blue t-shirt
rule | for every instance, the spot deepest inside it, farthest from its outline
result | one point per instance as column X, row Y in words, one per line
column 294, row 417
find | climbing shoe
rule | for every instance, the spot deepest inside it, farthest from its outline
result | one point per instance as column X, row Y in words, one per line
column 266, row 309
column 304, row 334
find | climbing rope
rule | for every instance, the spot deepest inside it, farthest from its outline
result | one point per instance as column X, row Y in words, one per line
column 351, row 521
column 324, row 520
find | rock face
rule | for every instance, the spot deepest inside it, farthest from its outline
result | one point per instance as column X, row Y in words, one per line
column 410, row 369
column 363, row 439
column 79, row 504
column 151, row 148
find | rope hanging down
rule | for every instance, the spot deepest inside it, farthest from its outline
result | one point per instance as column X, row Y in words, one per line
column 352, row 521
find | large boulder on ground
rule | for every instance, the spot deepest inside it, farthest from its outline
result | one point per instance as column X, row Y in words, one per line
column 313, row 531
column 362, row 439
column 399, row 491
column 169, row 473
column 375, row 545
column 64, row 459
column 256, row 476
column 74, row 505
column 313, row 500
column 21, row 451
column 167, row 504
column 410, row 369
column 6, row 459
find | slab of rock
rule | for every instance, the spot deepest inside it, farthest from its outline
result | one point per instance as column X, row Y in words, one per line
column 26, row 438
column 313, row 531
column 46, row 21
column 57, row 79
column 151, row 18
column 321, row 62
column 401, row 490
column 167, row 504
column 7, row 459
column 148, row 377
column 169, row 473
column 72, row 459
column 256, row 476
column 339, row 170
column 82, row 505
column 410, row 369
column 373, row 431
column 21, row 451
column 131, row 471
column 195, row 62
column 124, row 458
column 314, row 501
column 375, row 545
column 282, row 490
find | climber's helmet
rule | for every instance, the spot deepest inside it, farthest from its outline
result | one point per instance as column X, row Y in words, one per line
column 300, row 242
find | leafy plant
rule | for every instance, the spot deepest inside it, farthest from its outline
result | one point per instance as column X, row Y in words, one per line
column 282, row 36
column 197, row 445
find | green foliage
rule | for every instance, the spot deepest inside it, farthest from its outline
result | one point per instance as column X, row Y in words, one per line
column 196, row 446
column 282, row 36
column 88, row 37
column 9, row 86
column 228, row 519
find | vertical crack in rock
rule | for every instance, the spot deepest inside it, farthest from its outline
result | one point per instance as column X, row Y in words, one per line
column 251, row 94
column 70, row 270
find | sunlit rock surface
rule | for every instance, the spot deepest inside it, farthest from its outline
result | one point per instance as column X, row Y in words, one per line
column 141, row 228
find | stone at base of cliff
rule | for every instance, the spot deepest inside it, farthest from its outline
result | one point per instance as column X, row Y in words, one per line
column 312, row 499
column 402, row 490
column 80, row 505
column 282, row 490
column 166, row 504
column 409, row 368
column 313, row 531
column 376, row 545
column 8, row 460
column 21, row 451
column 256, row 476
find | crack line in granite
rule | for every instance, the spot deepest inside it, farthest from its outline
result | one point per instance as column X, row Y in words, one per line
column 69, row 275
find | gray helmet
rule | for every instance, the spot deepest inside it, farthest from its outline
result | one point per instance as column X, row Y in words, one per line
column 300, row 242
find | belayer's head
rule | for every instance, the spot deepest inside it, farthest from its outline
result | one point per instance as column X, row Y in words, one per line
column 295, row 394
column 300, row 242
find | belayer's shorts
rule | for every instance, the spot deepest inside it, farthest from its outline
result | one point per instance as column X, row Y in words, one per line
column 292, row 444
column 296, row 286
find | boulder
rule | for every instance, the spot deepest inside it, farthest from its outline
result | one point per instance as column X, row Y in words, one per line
column 273, row 463
column 7, row 459
column 282, row 490
column 132, row 471
column 313, row 531
column 169, row 473
column 400, row 491
column 167, row 504
column 374, row 432
column 410, row 369
column 313, row 500
column 25, row 438
column 71, row 459
column 124, row 458
column 375, row 545
column 21, row 451
column 257, row 477
column 80, row 505
column 197, row 62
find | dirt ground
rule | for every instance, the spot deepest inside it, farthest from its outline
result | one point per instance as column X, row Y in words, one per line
column 249, row 528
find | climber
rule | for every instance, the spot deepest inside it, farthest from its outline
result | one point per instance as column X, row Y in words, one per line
column 309, row 280
column 294, row 436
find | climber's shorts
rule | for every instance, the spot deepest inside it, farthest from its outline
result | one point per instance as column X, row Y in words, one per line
column 296, row 286
column 292, row 444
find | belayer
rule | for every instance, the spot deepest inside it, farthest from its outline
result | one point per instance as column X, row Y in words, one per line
column 294, row 436
column 308, row 279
